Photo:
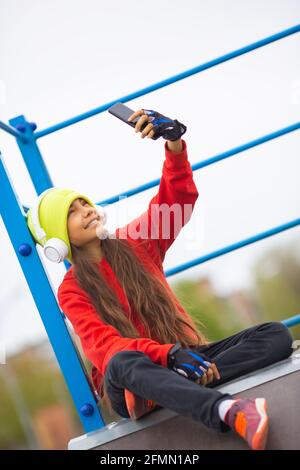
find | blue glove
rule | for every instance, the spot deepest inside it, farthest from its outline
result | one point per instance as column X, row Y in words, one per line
column 168, row 129
column 188, row 363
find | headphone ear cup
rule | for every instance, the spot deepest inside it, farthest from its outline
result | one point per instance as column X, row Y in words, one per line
column 103, row 214
column 55, row 250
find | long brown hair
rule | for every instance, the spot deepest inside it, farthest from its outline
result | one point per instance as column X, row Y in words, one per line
column 157, row 309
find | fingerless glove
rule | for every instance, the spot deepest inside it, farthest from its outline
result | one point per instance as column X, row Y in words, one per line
column 169, row 129
column 188, row 363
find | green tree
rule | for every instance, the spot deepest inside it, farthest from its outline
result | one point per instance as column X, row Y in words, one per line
column 212, row 315
column 277, row 284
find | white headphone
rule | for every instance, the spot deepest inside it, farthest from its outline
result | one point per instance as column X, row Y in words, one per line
column 55, row 249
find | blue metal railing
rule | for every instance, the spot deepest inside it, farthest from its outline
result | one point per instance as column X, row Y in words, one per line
column 85, row 398
column 233, row 247
column 292, row 321
column 170, row 80
column 12, row 131
column 40, row 288
column 204, row 163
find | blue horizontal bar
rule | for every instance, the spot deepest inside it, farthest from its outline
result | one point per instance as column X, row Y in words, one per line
column 204, row 163
column 292, row 321
column 169, row 81
column 234, row 246
column 248, row 145
column 11, row 130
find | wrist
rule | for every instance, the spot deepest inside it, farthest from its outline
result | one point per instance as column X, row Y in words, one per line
column 172, row 352
column 175, row 145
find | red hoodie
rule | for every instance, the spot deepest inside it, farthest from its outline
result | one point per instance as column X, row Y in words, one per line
column 99, row 340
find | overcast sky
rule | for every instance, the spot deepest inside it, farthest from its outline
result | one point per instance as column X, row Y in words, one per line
column 62, row 58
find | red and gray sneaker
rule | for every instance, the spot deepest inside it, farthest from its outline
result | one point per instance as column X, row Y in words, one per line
column 138, row 406
column 248, row 417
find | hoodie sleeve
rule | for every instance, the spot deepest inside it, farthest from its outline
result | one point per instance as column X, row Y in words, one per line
column 100, row 341
column 171, row 208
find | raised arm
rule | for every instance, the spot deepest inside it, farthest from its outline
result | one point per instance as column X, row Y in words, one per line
column 171, row 208
column 176, row 197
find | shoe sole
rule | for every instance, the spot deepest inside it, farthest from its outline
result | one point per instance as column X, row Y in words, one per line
column 260, row 437
column 137, row 406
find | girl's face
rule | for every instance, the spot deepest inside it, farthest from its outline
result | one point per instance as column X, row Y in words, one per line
column 79, row 216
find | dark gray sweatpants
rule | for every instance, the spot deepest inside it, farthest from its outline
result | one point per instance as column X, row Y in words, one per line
column 250, row 349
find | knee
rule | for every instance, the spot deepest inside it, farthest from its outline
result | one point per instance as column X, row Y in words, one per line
column 280, row 338
column 123, row 358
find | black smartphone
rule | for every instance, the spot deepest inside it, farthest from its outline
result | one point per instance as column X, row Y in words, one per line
column 123, row 112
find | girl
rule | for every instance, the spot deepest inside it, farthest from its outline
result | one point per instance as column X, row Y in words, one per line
column 145, row 349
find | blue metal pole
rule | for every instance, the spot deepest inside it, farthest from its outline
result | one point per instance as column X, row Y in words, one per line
column 67, row 355
column 12, row 131
column 169, row 81
column 33, row 159
column 32, row 156
column 204, row 163
column 248, row 145
column 234, row 246
column 292, row 321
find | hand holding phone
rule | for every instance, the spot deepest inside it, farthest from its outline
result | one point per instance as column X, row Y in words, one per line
column 143, row 124
column 150, row 123
column 122, row 112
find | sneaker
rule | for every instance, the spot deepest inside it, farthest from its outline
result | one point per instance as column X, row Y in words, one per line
column 138, row 406
column 248, row 417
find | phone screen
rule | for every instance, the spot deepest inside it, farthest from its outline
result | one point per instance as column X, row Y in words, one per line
column 123, row 112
